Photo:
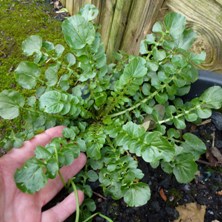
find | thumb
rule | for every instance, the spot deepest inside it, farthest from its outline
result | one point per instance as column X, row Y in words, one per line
column 63, row 209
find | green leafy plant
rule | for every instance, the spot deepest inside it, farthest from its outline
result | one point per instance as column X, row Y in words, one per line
column 116, row 113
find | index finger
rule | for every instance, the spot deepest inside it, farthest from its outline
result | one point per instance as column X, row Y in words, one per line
column 27, row 150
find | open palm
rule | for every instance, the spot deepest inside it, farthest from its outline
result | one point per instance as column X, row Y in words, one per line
column 17, row 206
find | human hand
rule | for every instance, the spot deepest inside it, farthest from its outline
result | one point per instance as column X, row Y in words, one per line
column 16, row 206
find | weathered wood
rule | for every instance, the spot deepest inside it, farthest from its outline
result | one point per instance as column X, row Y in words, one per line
column 118, row 26
column 106, row 19
column 63, row 2
column 69, row 6
column 143, row 14
column 205, row 17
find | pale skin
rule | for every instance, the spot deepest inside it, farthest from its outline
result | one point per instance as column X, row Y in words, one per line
column 22, row 207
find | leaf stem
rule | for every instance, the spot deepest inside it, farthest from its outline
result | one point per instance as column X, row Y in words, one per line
column 101, row 215
column 77, row 200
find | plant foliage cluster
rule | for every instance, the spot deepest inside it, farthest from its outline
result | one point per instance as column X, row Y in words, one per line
column 116, row 113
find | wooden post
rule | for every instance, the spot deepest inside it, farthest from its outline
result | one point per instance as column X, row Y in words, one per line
column 143, row 14
column 118, row 26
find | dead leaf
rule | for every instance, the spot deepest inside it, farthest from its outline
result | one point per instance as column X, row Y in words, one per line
column 162, row 194
column 219, row 193
column 191, row 212
column 216, row 153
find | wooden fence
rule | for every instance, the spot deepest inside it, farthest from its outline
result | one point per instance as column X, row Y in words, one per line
column 125, row 22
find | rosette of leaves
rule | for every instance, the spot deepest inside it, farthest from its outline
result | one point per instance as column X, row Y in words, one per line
column 116, row 113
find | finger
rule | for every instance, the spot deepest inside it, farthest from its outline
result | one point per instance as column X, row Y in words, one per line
column 54, row 186
column 62, row 210
column 27, row 150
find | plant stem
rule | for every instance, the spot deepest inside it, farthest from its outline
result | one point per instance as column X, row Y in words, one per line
column 77, row 200
column 179, row 115
column 101, row 215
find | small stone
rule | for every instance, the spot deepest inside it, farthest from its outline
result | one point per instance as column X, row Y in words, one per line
column 217, row 120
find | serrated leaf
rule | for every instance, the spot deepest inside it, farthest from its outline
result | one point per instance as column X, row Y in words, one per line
column 26, row 74
column 51, row 102
column 78, row 32
column 137, row 195
column 31, row 45
column 10, row 102
column 31, row 177
column 89, row 12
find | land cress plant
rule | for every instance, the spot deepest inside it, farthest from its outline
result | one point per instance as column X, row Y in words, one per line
column 116, row 113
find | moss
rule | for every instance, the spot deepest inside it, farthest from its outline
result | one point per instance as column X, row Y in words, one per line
column 19, row 19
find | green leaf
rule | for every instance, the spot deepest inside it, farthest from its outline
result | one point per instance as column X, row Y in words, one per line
column 31, row 45
column 191, row 117
column 185, row 168
column 52, row 168
column 30, row 178
column 26, row 74
column 193, row 145
column 10, row 102
column 198, row 58
column 143, row 47
column 78, row 32
column 42, row 153
column 179, row 123
column 153, row 66
column 159, row 55
column 137, row 195
column 49, row 46
column 157, row 27
column 51, row 74
column 92, row 175
column 89, row 12
column 51, row 102
column 187, row 40
column 175, row 24
column 59, row 49
column 204, row 113
column 71, row 59
column 212, row 97
column 136, row 68
column 161, row 98
column 150, row 38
